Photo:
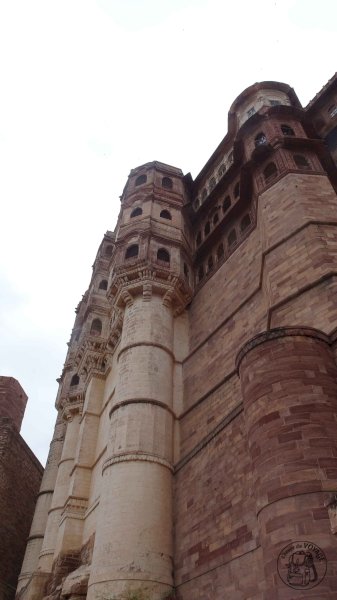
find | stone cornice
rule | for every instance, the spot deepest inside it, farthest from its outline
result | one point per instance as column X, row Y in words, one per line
column 144, row 278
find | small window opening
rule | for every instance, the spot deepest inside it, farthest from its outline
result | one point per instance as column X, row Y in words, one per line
column 132, row 251
column 200, row 272
column 251, row 112
column 96, row 327
column 207, row 228
column 136, row 212
column 198, row 240
column 222, row 170
column 301, row 161
column 108, row 250
column 232, row 238
column 237, row 190
column 196, row 204
column 260, row 139
column 103, row 285
column 270, row 172
column 75, row 380
column 210, row 263
column 204, row 194
column 215, row 219
column 332, row 110
column 163, row 255
column 165, row 214
column 220, row 251
column 287, row 130
column 167, row 183
column 185, row 270
column 226, row 204
column 141, row 179
column 245, row 222
column 275, row 102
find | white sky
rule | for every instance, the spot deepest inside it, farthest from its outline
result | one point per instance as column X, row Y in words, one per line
column 91, row 89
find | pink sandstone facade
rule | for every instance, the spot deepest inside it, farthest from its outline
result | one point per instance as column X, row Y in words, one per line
column 195, row 447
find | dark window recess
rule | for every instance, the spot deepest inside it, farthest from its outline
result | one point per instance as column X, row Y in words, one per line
column 75, row 380
column 185, row 270
column 167, row 183
column 108, row 250
column 237, row 190
column 141, row 179
column 96, row 327
column 103, row 285
column 165, row 214
column 220, row 251
column 245, row 222
column 204, row 194
column 331, row 139
column 226, row 204
column 275, row 102
column 132, row 251
column 207, row 228
column 136, row 212
column 210, row 263
column 200, row 272
column 251, row 112
column 232, row 238
column 198, row 240
column 163, row 254
column 301, row 161
column 332, row 110
column 270, row 172
column 260, row 139
column 215, row 219
column 287, row 130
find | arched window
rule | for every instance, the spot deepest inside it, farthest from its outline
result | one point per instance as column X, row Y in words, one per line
column 222, row 170
column 215, row 219
column 96, row 327
column 141, row 179
column 103, row 285
column 226, row 204
column 301, row 161
column 260, row 139
column 108, row 250
column 210, row 263
column 232, row 238
column 163, row 255
column 75, row 380
column 185, row 270
column 165, row 214
column 220, row 251
column 136, row 212
column 132, row 251
column 167, row 183
column 287, row 130
column 245, row 222
column 198, row 239
column 200, row 272
column 237, row 190
column 207, row 228
column 269, row 172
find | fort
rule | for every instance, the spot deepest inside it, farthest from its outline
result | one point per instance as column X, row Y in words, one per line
column 196, row 435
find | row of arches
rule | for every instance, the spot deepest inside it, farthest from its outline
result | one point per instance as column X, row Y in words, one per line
column 166, row 182
column 226, row 246
column 211, row 223
column 164, row 214
column 261, row 138
column 133, row 252
column 270, row 171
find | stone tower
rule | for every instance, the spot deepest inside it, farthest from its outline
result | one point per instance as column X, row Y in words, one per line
column 195, row 451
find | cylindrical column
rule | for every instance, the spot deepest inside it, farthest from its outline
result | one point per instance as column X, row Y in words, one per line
column 60, row 495
column 37, row 531
column 133, row 544
column 289, row 385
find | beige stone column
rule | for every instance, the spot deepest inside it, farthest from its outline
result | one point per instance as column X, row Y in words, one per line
column 37, row 532
column 133, row 544
column 61, row 493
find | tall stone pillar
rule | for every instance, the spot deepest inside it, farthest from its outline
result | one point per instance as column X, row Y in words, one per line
column 29, row 574
column 289, row 385
column 133, row 544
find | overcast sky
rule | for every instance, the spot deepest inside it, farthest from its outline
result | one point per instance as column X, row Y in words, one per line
column 91, row 89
